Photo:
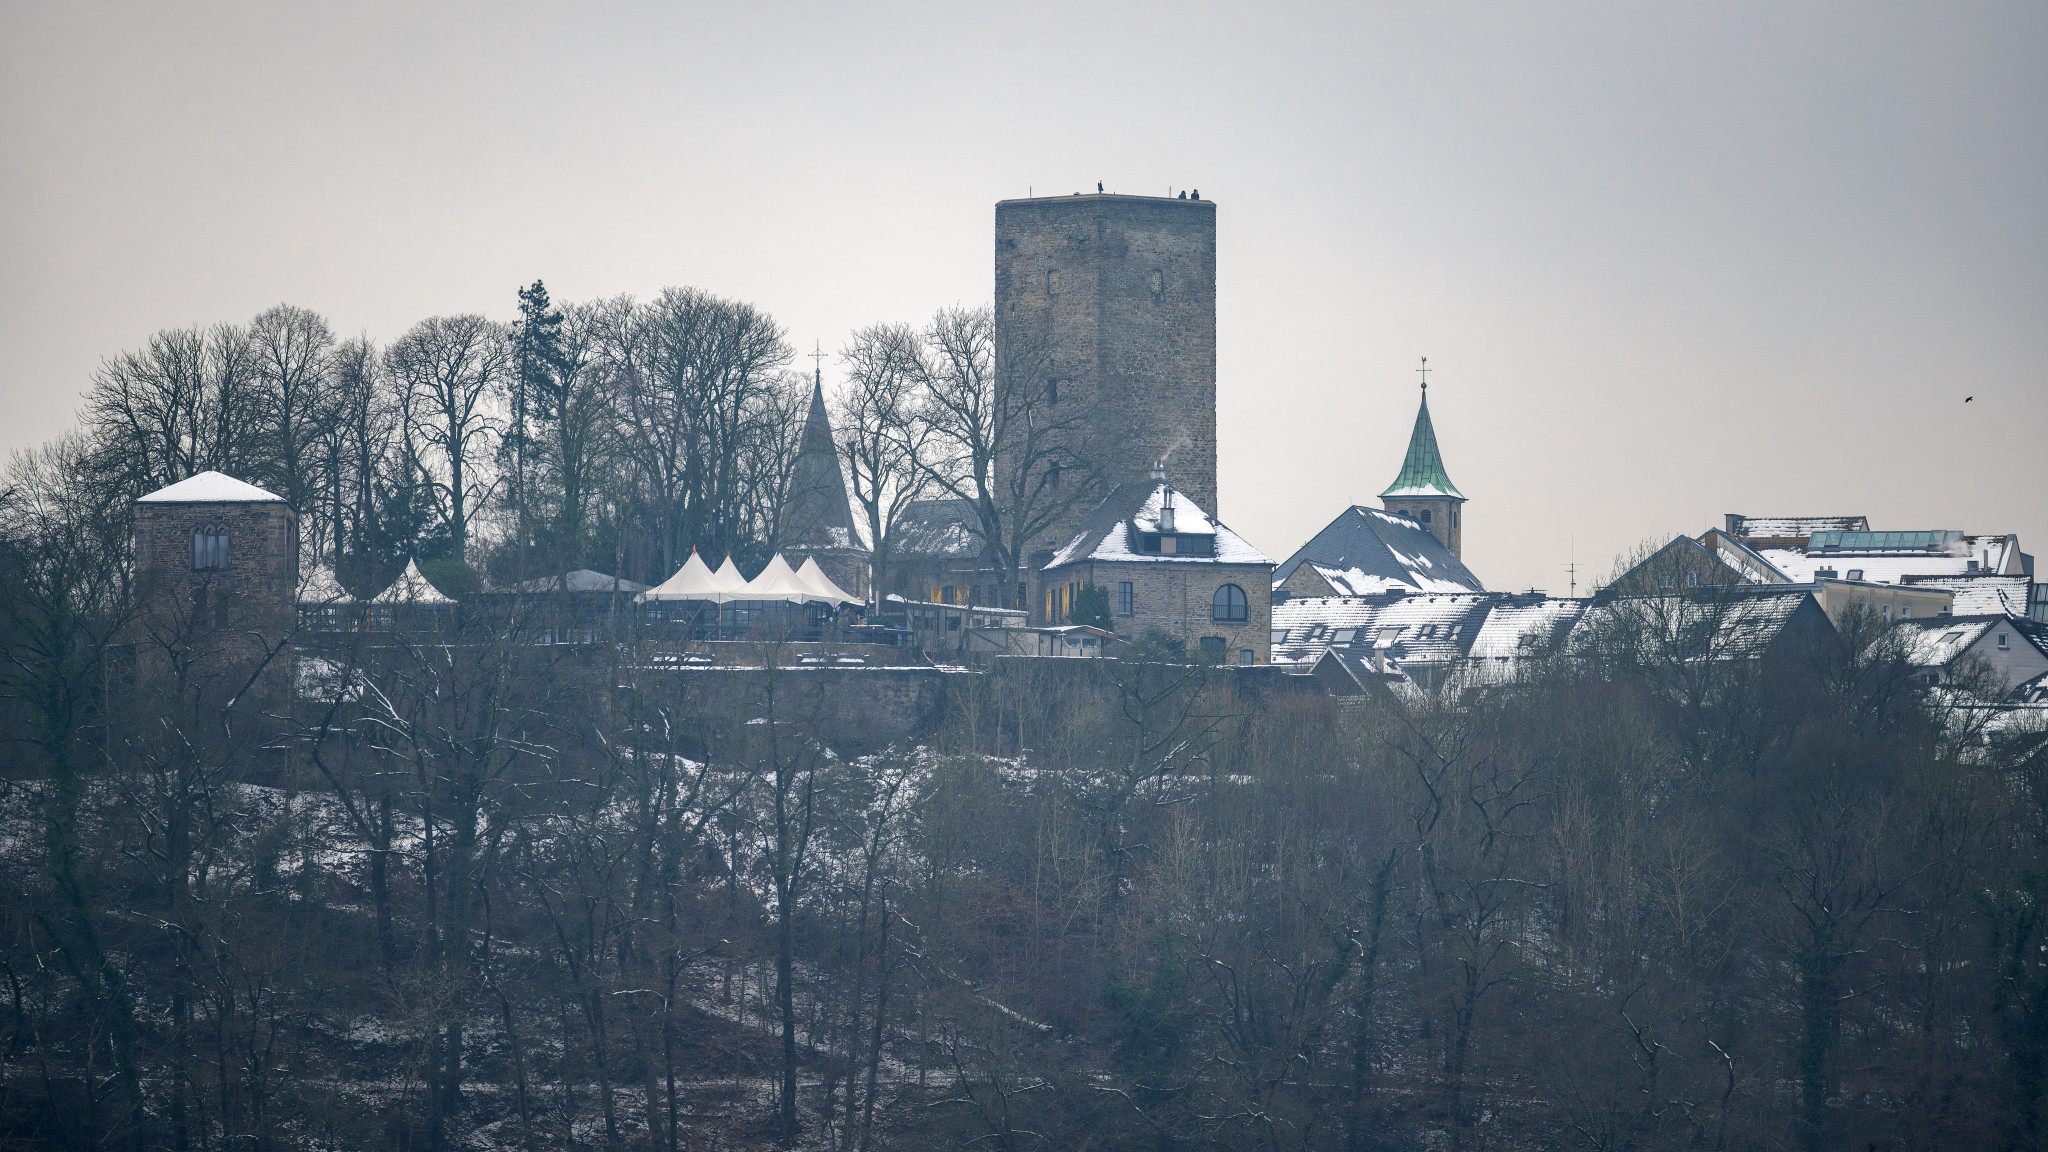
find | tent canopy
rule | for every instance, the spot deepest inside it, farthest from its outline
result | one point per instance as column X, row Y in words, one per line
column 778, row 581
column 822, row 584
column 693, row 581
column 411, row 588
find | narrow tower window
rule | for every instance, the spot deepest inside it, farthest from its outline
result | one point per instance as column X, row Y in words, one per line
column 210, row 548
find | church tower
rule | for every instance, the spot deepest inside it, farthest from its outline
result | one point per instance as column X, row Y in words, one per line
column 1423, row 491
column 1113, row 299
column 817, row 517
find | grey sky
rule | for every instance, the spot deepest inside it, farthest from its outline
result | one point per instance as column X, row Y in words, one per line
column 1667, row 261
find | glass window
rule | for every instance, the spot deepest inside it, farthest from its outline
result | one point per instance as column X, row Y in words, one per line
column 1229, row 605
column 2004, row 641
column 1664, row 579
column 1423, row 515
column 1247, row 656
column 210, row 548
column 1125, row 598
column 1212, row 647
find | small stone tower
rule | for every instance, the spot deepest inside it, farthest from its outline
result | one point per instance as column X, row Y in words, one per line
column 1113, row 298
column 1423, row 491
column 219, row 562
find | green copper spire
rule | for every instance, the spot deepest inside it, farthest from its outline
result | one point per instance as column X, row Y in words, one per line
column 1422, row 473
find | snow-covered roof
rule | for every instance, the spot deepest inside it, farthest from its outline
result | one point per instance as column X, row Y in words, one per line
column 1365, row 551
column 1981, row 594
column 211, row 488
column 577, row 580
column 1936, row 643
column 1512, row 630
column 411, row 588
column 1792, row 527
column 1887, row 568
column 1417, row 629
column 1111, row 532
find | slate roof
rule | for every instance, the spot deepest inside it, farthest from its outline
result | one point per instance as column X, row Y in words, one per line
column 1732, row 623
column 1422, row 470
column 818, row 513
column 1418, row 629
column 211, row 488
column 946, row 527
column 1980, row 595
column 1365, row 551
column 1109, row 532
column 1788, row 527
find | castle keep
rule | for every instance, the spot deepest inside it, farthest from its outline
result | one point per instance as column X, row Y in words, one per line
column 1115, row 296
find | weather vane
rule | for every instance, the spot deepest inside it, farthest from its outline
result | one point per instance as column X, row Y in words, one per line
column 1425, row 373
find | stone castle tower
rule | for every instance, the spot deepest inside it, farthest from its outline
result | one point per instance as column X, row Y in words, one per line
column 1423, row 491
column 1115, row 296
column 219, row 561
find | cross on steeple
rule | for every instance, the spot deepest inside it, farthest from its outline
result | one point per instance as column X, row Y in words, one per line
column 1425, row 373
column 818, row 361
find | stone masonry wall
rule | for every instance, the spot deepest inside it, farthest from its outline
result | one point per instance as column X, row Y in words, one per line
column 236, row 611
column 1177, row 599
column 1126, row 288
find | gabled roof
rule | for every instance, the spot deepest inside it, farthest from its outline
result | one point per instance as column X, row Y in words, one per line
column 1742, row 622
column 211, row 488
column 1422, row 470
column 1110, row 532
column 1416, row 629
column 1981, row 594
column 1365, row 551
column 946, row 527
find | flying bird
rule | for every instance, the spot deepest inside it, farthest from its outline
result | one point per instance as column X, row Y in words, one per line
column 1967, row 399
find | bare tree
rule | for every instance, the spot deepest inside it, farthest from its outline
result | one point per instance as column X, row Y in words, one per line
column 186, row 403
column 880, row 438
column 449, row 368
column 996, row 440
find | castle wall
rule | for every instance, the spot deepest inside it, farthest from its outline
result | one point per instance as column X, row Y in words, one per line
column 1120, row 294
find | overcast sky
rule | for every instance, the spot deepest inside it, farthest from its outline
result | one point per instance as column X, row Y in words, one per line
column 1666, row 260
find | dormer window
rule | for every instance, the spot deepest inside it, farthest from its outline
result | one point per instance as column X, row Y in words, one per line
column 210, row 548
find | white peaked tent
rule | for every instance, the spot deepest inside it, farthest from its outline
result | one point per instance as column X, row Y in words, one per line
column 730, row 580
column 778, row 581
column 411, row 588
column 822, row 584
column 693, row 581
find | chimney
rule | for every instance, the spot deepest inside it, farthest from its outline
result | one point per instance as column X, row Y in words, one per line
column 1158, row 471
column 1166, row 512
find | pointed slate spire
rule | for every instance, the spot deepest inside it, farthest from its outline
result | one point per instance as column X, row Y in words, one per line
column 1422, row 471
column 818, row 515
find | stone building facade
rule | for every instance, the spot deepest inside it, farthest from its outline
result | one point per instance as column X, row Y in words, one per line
column 1114, row 298
column 1167, row 568
column 219, row 563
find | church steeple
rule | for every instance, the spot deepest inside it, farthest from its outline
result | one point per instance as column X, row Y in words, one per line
column 817, row 517
column 1423, row 491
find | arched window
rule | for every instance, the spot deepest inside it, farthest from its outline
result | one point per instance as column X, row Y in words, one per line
column 210, row 548
column 1229, row 605
column 1423, row 515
